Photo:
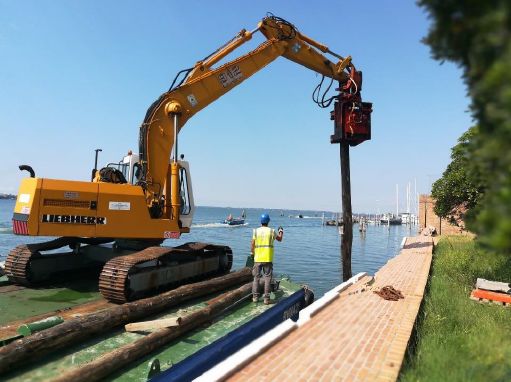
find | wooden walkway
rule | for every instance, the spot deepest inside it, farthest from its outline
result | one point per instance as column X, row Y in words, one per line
column 358, row 336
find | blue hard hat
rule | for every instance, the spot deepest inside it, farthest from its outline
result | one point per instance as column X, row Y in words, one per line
column 265, row 219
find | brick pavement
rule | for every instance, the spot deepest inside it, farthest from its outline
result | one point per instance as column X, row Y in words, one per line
column 357, row 337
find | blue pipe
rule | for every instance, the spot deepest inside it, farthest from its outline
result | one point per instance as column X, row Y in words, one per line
column 209, row 356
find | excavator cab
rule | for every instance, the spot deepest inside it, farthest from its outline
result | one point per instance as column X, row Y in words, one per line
column 130, row 169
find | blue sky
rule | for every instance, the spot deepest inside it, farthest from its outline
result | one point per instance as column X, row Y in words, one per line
column 77, row 75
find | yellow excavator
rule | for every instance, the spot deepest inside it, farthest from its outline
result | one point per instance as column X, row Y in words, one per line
column 119, row 219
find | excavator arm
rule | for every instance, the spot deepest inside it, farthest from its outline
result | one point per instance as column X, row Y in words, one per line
column 204, row 84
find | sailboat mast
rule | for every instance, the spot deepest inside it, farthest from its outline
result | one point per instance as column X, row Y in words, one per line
column 397, row 200
column 408, row 198
column 416, row 200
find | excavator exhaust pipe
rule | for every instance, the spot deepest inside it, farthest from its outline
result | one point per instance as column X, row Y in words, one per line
column 25, row 167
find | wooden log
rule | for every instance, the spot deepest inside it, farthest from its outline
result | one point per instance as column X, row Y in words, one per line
column 154, row 324
column 116, row 359
column 80, row 328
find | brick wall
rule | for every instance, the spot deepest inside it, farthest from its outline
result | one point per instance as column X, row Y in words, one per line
column 428, row 218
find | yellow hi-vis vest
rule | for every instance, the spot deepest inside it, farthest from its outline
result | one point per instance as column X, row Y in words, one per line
column 264, row 238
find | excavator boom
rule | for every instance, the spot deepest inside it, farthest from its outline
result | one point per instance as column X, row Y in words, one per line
column 205, row 84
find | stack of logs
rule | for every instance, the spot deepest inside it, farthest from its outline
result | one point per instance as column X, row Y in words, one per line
column 81, row 328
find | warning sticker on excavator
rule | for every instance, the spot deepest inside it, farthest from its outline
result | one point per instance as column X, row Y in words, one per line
column 71, row 195
column 24, row 198
column 230, row 75
column 119, row 206
column 171, row 235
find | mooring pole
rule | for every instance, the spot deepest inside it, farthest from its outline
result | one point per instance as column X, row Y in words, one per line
column 347, row 219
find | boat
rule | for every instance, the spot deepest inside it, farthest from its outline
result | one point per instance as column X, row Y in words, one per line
column 408, row 218
column 230, row 220
column 390, row 219
column 234, row 221
column 72, row 301
column 335, row 220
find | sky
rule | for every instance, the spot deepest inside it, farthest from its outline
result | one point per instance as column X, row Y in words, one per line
column 80, row 75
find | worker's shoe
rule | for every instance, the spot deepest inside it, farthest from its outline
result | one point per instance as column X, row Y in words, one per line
column 255, row 299
column 267, row 301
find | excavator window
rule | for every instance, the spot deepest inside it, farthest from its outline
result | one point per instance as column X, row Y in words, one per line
column 136, row 173
column 183, row 192
column 124, row 169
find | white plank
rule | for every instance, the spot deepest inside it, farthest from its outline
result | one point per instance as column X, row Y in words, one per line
column 155, row 324
column 495, row 286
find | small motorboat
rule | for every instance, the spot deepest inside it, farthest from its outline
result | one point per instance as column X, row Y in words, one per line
column 230, row 220
column 234, row 221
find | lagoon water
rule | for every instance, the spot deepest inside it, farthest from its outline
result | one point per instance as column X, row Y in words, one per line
column 309, row 253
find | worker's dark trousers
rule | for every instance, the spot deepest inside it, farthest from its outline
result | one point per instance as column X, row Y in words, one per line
column 266, row 271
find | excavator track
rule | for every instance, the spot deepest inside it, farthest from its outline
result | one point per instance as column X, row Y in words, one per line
column 17, row 264
column 114, row 281
column 113, row 277
column 24, row 264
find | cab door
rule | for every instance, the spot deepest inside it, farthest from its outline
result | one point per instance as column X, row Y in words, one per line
column 186, row 195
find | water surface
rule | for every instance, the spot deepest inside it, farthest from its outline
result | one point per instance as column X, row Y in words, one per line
column 309, row 253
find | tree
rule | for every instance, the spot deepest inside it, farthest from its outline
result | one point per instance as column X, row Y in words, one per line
column 459, row 190
column 477, row 36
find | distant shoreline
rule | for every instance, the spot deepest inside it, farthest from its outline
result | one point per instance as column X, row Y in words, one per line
column 7, row 197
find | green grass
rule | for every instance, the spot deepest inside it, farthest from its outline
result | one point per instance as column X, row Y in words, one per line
column 458, row 339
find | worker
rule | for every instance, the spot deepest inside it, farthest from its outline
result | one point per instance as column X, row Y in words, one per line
column 262, row 250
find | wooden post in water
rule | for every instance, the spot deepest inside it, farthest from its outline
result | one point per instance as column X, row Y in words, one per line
column 347, row 219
